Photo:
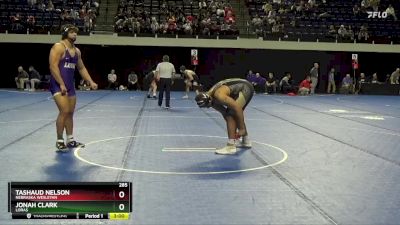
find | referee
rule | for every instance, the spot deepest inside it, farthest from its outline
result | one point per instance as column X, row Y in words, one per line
column 165, row 70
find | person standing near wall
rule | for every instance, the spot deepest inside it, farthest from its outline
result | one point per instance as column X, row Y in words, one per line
column 331, row 81
column 314, row 77
column 394, row 78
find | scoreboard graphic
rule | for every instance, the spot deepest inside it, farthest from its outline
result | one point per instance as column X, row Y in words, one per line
column 70, row 200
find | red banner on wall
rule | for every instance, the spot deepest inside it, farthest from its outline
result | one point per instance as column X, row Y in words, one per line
column 194, row 57
column 354, row 61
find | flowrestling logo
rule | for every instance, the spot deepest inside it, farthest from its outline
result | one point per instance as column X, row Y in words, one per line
column 380, row 15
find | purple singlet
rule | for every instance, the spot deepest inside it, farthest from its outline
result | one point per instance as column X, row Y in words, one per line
column 67, row 70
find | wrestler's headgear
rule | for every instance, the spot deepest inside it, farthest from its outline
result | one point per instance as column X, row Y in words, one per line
column 66, row 29
column 203, row 100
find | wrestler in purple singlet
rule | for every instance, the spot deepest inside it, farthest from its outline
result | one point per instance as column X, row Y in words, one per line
column 67, row 71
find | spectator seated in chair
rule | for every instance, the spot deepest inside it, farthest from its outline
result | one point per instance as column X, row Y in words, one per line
column 360, row 81
column 112, row 80
column 84, row 85
column 45, row 82
column 305, row 86
column 34, row 78
column 374, row 79
column 271, row 84
column 21, row 78
column 286, row 84
column 259, row 83
column 133, row 81
column 347, row 85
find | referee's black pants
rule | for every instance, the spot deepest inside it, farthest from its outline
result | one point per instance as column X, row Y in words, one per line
column 165, row 85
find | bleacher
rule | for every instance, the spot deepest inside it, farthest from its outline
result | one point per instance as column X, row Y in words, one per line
column 44, row 19
column 310, row 25
column 162, row 11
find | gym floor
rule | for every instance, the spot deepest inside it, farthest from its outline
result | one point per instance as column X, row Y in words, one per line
column 322, row 159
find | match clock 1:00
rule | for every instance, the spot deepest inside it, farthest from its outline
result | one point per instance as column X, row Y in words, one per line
column 119, row 216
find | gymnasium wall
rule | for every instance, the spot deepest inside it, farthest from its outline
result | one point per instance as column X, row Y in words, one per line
column 214, row 63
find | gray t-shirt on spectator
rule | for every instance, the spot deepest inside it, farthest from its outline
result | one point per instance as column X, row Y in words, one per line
column 331, row 76
column 395, row 76
column 284, row 82
column 23, row 74
column 314, row 72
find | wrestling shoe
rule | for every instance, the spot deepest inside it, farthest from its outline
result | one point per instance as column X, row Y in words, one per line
column 75, row 144
column 61, row 147
column 227, row 150
column 244, row 144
